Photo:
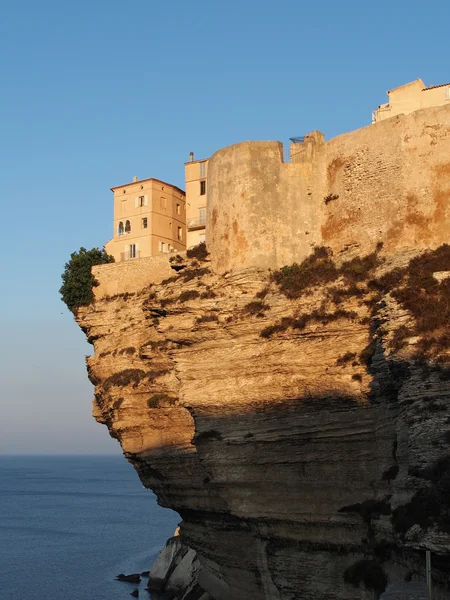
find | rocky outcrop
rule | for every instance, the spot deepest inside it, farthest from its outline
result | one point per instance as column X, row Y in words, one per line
column 175, row 574
column 301, row 430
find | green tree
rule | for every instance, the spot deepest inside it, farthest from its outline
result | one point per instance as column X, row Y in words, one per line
column 77, row 278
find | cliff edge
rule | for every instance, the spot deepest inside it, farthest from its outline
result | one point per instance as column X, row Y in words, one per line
column 297, row 420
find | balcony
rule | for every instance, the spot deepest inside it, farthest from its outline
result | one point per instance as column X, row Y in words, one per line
column 194, row 224
column 384, row 108
column 130, row 255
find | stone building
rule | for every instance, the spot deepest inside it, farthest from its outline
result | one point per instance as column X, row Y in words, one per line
column 149, row 219
column 196, row 194
column 387, row 183
column 410, row 97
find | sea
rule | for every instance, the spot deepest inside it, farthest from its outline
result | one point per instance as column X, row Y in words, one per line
column 70, row 524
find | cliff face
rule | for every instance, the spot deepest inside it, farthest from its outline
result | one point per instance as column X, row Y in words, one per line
column 299, row 422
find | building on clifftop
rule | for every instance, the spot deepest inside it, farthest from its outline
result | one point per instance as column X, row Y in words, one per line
column 196, row 172
column 412, row 96
column 149, row 219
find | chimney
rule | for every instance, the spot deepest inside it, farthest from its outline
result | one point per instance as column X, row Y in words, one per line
column 191, row 156
column 135, row 179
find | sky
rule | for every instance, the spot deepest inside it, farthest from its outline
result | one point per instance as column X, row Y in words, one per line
column 96, row 92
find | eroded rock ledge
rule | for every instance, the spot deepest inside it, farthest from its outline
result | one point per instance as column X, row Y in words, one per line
column 303, row 435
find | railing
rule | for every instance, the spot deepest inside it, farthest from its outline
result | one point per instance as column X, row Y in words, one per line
column 378, row 110
column 130, row 255
column 196, row 223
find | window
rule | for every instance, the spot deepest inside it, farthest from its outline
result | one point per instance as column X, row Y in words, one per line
column 127, row 227
column 202, row 188
column 140, row 201
column 120, row 229
column 201, row 238
column 162, row 247
column 447, row 93
column 144, row 223
column 201, row 216
column 178, row 209
column 132, row 250
column 203, row 169
column 163, row 203
column 180, row 233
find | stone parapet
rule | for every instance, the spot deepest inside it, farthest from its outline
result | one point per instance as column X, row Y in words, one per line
column 130, row 276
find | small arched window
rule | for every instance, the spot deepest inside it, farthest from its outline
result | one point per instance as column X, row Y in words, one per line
column 127, row 227
column 120, row 229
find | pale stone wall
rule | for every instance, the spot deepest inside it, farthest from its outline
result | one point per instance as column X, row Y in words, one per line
column 259, row 210
column 392, row 180
column 130, row 276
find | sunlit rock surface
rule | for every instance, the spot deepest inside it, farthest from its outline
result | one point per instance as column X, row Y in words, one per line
column 287, row 453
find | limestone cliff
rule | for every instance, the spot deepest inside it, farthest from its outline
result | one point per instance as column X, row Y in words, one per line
column 298, row 421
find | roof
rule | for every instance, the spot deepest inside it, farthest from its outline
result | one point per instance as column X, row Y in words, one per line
column 149, row 179
column 432, row 87
column 191, row 162
column 405, row 84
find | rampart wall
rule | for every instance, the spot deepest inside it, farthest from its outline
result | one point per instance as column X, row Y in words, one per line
column 131, row 275
column 259, row 212
column 392, row 180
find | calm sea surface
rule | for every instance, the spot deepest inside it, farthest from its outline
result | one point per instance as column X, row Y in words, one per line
column 69, row 525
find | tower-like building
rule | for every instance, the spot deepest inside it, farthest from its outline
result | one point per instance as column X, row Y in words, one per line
column 196, row 172
column 149, row 219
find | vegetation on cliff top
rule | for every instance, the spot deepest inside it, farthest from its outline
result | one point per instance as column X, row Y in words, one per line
column 416, row 289
column 319, row 269
column 78, row 281
column 199, row 252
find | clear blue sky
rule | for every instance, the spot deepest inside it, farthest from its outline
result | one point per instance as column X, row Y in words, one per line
column 93, row 93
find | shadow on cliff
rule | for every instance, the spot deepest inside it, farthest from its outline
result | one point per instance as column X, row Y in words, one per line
column 317, row 474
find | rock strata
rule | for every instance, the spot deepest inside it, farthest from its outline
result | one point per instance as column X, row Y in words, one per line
column 300, row 430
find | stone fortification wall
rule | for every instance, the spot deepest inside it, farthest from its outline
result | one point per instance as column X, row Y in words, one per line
column 389, row 182
column 130, row 276
column 259, row 212
column 393, row 183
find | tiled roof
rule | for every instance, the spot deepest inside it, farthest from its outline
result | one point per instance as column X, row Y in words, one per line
column 431, row 87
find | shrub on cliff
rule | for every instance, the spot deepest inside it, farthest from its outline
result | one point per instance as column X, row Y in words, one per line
column 199, row 252
column 427, row 300
column 317, row 269
column 77, row 278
